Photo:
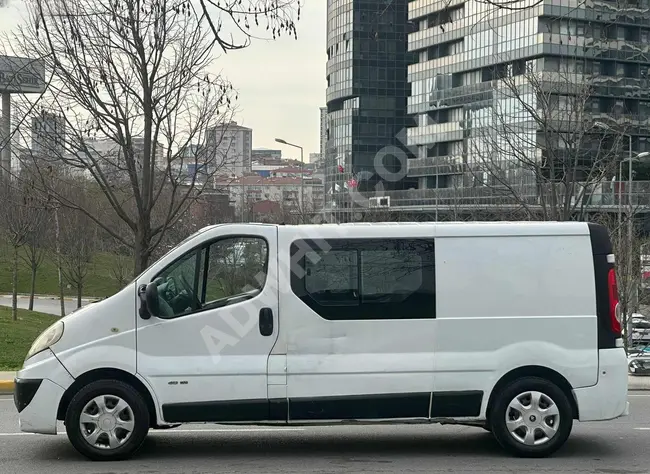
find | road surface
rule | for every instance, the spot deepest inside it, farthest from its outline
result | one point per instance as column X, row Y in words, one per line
column 616, row 447
column 49, row 306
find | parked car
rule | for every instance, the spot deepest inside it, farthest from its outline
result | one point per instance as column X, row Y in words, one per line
column 513, row 327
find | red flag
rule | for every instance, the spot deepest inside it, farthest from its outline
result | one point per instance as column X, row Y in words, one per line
column 341, row 169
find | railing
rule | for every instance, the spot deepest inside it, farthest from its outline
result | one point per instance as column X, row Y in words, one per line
column 604, row 195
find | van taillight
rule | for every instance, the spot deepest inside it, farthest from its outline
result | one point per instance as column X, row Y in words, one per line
column 614, row 309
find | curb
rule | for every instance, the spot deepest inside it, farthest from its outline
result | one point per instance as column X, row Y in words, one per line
column 634, row 383
column 6, row 386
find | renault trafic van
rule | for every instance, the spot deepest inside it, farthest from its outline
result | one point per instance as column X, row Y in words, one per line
column 513, row 327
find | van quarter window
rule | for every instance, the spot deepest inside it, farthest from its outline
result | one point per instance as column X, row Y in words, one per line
column 343, row 279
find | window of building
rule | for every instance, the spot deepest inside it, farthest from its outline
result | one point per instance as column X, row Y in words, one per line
column 364, row 279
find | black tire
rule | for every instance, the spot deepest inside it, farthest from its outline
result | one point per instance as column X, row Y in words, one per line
column 500, row 410
column 108, row 388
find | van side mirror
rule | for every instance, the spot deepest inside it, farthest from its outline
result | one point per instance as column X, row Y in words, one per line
column 151, row 299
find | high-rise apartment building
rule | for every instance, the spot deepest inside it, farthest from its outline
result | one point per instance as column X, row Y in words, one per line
column 367, row 91
column 470, row 52
column 230, row 149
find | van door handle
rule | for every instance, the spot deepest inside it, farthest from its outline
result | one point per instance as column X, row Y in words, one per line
column 266, row 321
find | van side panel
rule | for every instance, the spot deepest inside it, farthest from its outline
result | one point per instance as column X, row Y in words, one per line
column 512, row 301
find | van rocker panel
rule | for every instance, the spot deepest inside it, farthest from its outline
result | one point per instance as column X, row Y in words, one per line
column 358, row 407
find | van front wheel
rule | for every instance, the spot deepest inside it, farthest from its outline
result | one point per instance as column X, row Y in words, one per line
column 531, row 417
column 107, row 420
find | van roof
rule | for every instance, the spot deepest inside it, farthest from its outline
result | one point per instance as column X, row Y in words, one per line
column 450, row 228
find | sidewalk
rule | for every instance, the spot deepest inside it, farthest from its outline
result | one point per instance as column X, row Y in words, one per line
column 634, row 382
column 23, row 296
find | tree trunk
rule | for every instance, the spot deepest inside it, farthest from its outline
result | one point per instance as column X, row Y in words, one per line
column 141, row 252
column 14, row 287
column 58, row 260
column 79, row 290
column 32, row 290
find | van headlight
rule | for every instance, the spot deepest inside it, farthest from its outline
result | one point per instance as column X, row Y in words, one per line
column 47, row 338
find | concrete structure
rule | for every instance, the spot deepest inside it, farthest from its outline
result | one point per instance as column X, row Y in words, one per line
column 22, row 76
column 367, row 92
column 48, row 135
column 286, row 191
column 230, row 149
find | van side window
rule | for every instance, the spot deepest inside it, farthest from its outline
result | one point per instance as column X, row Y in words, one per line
column 221, row 273
column 332, row 278
column 348, row 279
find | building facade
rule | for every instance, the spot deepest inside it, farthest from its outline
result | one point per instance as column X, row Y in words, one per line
column 48, row 135
column 484, row 76
column 367, row 90
column 290, row 193
column 230, row 148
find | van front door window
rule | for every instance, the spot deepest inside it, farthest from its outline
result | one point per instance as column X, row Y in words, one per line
column 221, row 273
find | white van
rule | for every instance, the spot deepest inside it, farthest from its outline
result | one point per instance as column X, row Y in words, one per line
column 513, row 327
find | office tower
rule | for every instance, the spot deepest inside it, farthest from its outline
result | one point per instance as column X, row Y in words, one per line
column 367, row 91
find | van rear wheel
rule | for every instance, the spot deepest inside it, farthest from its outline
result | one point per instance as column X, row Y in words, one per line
column 107, row 420
column 531, row 417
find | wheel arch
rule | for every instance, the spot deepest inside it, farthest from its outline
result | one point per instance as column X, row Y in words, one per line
column 533, row 371
column 108, row 373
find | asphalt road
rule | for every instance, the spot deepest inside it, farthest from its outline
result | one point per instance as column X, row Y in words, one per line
column 616, row 447
column 49, row 306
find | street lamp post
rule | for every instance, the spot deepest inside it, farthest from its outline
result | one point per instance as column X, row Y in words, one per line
column 302, row 174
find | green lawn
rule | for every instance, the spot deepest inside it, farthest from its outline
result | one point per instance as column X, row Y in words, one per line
column 100, row 281
column 16, row 337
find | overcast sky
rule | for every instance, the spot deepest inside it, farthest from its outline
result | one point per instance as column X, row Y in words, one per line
column 281, row 84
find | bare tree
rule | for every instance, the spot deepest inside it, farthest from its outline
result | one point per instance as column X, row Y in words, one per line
column 36, row 247
column 237, row 20
column 130, row 91
column 17, row 217
column 78, row 245
column 538, row 142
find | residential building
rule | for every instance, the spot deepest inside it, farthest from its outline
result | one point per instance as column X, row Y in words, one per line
column 230, row 146
column 315, row 158
column 48, row 135
column 468, row 49
column 367, row 92
column 109, row 156
column 287, row 191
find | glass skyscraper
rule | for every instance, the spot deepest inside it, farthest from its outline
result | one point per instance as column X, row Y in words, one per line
column 367, row 91
column 465, row 48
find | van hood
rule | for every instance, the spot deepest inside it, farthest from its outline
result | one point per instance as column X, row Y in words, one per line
column 109, row 318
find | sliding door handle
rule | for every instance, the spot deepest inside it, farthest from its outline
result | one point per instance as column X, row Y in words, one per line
column 266, row 321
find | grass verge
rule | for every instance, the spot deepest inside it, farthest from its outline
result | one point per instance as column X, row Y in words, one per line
column 100, row 281
column 16, row 337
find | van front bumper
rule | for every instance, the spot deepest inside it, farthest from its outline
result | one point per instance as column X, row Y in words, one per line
column 37, row 409
column 38, row 390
